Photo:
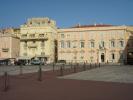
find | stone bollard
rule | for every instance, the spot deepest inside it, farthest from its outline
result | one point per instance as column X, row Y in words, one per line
column 6, row 81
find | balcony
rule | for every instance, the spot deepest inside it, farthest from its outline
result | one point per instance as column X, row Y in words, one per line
column 32, row 45
column 37, row 38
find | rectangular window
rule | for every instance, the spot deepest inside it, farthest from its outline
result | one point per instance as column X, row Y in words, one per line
column 25, row 44
column 113, row 56
column 102, row 44
column 112, row 44
column 92, row 44
column 24, row 35
column 42, row 44
column 41, row 35
column 62, row 36
column 62, row 44
column 42, row 53
column 74, row 44
column 121, row 43
column 82, row 44
column 32, row 35
column 24, row 54
column 68, row 44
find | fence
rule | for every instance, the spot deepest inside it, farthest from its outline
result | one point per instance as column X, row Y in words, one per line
column 58, row 69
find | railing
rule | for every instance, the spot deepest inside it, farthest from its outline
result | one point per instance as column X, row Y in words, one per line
column 34, row 38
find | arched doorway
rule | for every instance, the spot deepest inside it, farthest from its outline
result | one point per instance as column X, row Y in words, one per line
column 102, row 57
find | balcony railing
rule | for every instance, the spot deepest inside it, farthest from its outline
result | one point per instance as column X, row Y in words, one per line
column 34, row 38
column 32, row 45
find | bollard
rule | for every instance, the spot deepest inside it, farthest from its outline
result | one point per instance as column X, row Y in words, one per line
column 61, row 70
column 95, row 65
column 53, row 67
column 21, row 69
column 77, row 65
column 99, row 64
column 74, row 68
column 6, row 81
column 40, row 73
column 90, row 65
column 71, row 65
column 84, row 66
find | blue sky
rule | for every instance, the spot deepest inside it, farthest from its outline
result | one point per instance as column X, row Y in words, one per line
column 67, row 13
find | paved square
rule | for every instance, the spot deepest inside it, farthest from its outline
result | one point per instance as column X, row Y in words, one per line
column 117, row 73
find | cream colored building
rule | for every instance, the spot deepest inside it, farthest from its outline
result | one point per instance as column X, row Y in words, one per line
column 9, row 46
column 95, row 43
column 38, row 37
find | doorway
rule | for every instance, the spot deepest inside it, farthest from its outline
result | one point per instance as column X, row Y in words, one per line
column 102, row 57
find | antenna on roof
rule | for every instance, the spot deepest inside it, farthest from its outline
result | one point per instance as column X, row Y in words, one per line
column 95, row 24
column 78, row 24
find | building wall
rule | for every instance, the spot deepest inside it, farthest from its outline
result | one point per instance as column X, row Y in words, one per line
column 96, row 35
column 42, row 44
column 9, row 46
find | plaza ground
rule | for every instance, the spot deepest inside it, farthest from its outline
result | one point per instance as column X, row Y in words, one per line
column 86, row 85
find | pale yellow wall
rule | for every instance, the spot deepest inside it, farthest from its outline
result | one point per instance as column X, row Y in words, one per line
column 49, row 34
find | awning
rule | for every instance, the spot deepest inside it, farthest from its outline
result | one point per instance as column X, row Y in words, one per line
column 24, row 58
column 41, row 56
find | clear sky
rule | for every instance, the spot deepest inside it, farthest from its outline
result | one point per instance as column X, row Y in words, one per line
column 67, row 13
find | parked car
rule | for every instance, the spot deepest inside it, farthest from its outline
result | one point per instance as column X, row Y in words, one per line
column 20, row 62
column 37, row 62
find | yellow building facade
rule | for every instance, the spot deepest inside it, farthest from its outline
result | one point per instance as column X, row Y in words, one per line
column 38, row 38
column 94, row 44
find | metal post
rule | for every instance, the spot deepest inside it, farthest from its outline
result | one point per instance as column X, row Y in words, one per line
column 84, row 66
column 61, row 70
column 6, row 81
column 75, row 68
column 90, row 65
column 53, row 66
column 95, row 65
column 71, row 65
column 40, row 73
column 21, row 69
column 99, row 64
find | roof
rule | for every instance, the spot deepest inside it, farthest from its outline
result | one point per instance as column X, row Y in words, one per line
column 95, row 25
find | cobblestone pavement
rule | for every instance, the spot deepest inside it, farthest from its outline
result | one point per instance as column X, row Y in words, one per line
column 121, row 73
